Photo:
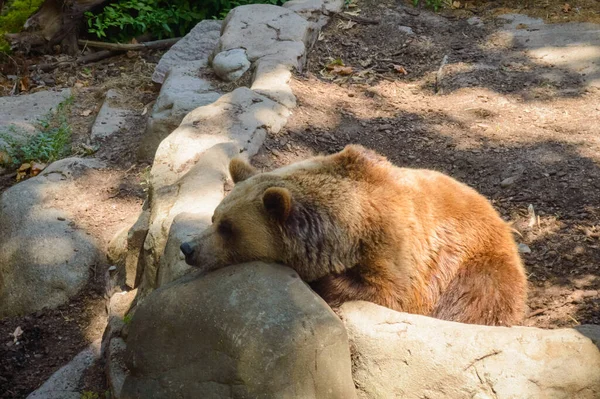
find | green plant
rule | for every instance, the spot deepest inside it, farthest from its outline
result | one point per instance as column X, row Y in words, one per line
column 127, row 319
column 146, row 178
column 13, row 16
column 436, row 5
column 125, row 19
column 89, row 395
column 130, row 18
column 50, row 142
column 349, row 4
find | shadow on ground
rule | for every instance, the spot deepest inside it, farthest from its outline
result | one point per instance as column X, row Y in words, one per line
column 516, row 55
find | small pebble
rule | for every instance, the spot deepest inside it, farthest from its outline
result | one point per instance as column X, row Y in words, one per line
column 524, row 249
column 406, row 29
column 508, row 182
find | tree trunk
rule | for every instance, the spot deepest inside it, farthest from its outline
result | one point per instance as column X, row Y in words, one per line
column 57, row 22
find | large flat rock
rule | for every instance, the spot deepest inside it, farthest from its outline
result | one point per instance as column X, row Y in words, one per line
column 44, row 257
column 399, row 355
column 572, row 46
column 240, row 117
column 111, row 119
column 65, row 383
column 195, row 46
column 247, row 331
column 19, row 115
column 182, row 91
column 182, row 88
column 314, row 11
column 263, row 29
column 24, row 111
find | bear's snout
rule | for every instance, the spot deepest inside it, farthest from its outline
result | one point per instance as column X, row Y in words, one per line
column 198, row 255
column 188, row 251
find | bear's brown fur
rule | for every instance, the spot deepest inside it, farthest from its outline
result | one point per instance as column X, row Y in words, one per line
column 358, row 228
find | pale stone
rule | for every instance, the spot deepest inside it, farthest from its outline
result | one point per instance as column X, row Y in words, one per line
column 65, row 383
column 246, row 331
column 183, row 90
column 111, row 119
column 44, row 258
column 571, row 46
column 195, row 46
column 271, row 78
column 263, row 29
column 230, row 65
column 23, row 112
column 400, row 355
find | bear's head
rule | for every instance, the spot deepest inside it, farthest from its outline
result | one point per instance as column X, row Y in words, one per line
column 303, row 215
column 246, row 226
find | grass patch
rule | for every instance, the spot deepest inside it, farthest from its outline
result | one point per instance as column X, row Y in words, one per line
column 50, row 142
column 89, row 395
column 435, row 5
column 13, row 16
column 127, row 318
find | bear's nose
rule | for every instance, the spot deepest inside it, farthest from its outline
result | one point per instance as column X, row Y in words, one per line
column 187, row 249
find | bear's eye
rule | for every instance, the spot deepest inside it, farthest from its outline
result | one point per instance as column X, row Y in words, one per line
column 225, row 227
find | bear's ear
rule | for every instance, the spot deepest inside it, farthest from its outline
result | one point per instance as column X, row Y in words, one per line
column 356, row 153
column 240, row 170
column 278, row 202
column 357, row 157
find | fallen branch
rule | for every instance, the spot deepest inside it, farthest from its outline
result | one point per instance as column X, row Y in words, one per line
column 353, row 18
column 86, row 59
column 93, row 57
column 50, row 66
column 538, row 312
column 155, row 45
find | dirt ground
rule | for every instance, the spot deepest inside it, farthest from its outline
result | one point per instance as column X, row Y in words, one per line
column 530, row 144
column 493, row 118
column 551, row 11
column 103, row 202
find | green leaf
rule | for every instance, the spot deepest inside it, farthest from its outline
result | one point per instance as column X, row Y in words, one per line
column 123, row 20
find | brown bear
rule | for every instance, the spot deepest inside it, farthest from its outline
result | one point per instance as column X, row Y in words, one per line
column 356, row 227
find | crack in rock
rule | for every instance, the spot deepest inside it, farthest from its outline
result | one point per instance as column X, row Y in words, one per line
column 277, row 30
column 493, row 353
